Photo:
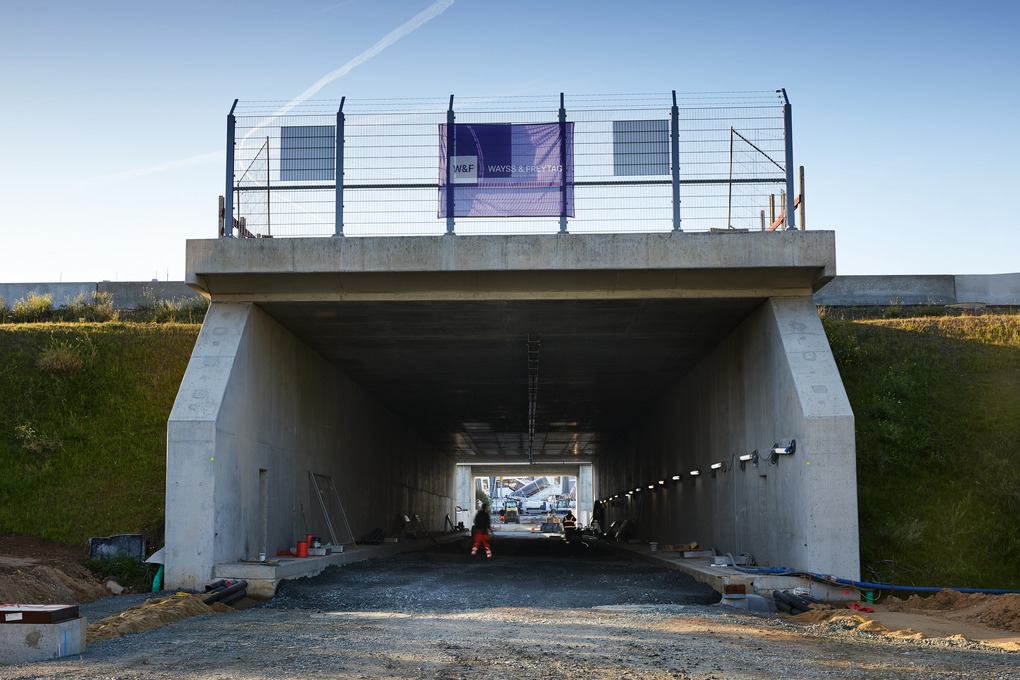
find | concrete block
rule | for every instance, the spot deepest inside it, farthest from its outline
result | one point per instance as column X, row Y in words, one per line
column 31, row 642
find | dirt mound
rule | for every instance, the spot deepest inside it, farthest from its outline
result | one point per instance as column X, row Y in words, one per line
column 40, row 584
column 35, row 571
column 152, row 614
column 997, row 611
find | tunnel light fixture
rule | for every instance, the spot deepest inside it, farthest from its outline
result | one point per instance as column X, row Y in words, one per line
column 695, row 473
column 662, row 482
column 676, row 478
column 651, row 486
column 717, row 467
column 749, row 458
column 781, row 448
column 786, row 447
column 746, row 457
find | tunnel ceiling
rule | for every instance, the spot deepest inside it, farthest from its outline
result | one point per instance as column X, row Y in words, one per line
column 458, row 371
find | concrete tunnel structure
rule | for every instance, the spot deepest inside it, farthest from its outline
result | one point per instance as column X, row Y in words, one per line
column 399, row 368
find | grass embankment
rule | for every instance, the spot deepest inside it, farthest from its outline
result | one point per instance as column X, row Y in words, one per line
column 83, row 415
column 937, row 407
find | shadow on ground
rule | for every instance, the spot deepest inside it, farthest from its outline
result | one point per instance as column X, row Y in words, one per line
column 526, row 571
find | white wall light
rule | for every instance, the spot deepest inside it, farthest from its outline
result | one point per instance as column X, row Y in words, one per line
column 676, row 478
column 786, row 447
column 695, row 473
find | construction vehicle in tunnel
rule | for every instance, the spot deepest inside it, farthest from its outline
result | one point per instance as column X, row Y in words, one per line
column 511, row 511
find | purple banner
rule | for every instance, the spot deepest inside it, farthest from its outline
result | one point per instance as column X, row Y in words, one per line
column 507, row 170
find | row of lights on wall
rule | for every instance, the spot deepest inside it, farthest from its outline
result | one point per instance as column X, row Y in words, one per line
column 771, row 456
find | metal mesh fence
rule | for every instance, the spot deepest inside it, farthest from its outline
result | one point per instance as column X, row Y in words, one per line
column 639, row 163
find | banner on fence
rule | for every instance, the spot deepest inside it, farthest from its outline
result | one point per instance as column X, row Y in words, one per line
column 507, row 170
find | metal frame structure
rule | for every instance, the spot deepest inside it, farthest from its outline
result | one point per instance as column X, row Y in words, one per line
column 372, row 168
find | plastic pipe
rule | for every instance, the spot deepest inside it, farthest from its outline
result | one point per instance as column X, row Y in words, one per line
column 220, row 594
column 867, row 585
column 157, row 580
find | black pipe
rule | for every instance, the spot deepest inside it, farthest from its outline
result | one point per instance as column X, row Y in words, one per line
column 234, row 597
column 220, row 594
column 217, row 584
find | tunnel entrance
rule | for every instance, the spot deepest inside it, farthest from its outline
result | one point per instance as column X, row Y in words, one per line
column 402, row 368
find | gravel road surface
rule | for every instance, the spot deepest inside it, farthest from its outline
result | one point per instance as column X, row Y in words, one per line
column 538, row 609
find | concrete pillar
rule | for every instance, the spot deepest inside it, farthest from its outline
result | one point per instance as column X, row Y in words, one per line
column 259, row 419
column 584, row 495
column 465, row 494
column 772, row 378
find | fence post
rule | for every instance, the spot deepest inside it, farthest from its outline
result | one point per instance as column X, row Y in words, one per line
column 674, row 124
column 803, row 221
column 788, row 134
column 563, row 165
column 228, row 202
column 451, row 139
column 338, row 229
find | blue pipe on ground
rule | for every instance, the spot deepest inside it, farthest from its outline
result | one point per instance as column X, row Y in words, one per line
column 866, row 585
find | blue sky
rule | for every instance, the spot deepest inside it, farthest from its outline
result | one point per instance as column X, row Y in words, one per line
column 114, row 112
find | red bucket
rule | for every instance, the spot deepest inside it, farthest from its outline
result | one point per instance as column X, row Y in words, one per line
column 302, row 549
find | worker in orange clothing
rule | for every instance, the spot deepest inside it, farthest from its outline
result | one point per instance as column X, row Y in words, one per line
column 481, row 529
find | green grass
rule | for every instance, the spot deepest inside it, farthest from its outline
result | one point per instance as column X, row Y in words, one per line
column 937, row 408
column 83, row 414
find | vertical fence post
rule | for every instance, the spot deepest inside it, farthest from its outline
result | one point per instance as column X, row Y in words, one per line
column 788, row 135
column 803, row 222
column 563, row 165
column 674, row 124
column 269, row 212
column 338, row 228
column 451, row 139
column 729, row 199
column 228, row 203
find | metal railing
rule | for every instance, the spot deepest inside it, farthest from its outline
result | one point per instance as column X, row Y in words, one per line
column 626, row 163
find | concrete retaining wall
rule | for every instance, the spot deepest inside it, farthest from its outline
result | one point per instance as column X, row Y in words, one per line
column 990, row 289
column 773, row 378
column 257, row 410
column 126, row 294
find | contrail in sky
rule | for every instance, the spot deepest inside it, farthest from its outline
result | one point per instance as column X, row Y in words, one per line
column 408, row 27
column 413, row 24
column 416, row 22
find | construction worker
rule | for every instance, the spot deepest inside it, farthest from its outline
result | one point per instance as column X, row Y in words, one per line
column 569, row 526
column 480, row 530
